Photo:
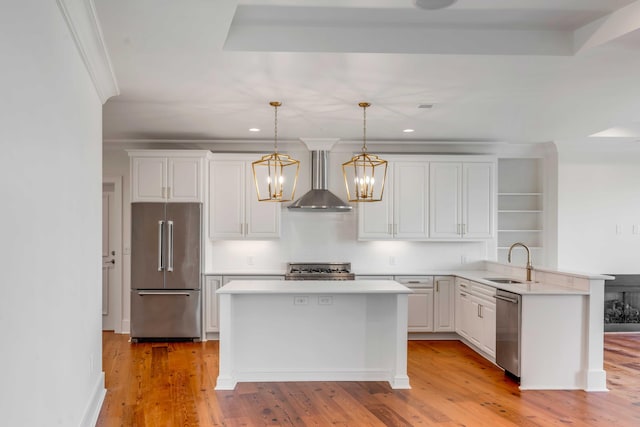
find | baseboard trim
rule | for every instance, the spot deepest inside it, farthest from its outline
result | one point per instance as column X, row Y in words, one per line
column 126, row 326
column 94, row 405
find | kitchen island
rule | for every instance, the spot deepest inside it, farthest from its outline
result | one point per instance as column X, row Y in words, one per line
column 313, row 331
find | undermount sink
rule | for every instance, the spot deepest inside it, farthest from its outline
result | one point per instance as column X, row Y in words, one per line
column 502, row 280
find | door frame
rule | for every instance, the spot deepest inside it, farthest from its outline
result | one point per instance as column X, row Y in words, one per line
column 117, row 246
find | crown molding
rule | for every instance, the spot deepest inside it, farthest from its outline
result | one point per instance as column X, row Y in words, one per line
column 81, row 18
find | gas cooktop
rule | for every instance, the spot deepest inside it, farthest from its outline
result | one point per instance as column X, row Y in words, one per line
column 319, row 271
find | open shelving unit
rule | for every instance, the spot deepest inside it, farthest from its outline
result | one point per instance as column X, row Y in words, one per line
column 520, row 208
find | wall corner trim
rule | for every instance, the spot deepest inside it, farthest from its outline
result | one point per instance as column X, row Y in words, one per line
column 81, row 18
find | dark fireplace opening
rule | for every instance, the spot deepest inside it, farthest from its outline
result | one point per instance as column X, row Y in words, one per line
column 622, row 303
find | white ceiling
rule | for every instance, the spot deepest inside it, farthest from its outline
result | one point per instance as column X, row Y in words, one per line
column 496, row 70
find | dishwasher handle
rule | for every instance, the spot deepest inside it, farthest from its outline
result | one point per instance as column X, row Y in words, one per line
column 503, row 298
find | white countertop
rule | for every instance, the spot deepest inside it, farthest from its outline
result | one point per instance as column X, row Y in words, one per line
column 377, row 286
column 524, row 288
column 314, row 287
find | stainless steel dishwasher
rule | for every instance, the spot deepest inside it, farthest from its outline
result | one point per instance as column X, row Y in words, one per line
column 508, row 323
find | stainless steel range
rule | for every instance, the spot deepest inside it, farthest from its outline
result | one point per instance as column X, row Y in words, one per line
column 319, row 271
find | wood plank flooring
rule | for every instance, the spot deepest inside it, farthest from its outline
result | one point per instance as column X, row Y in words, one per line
column 171, row 384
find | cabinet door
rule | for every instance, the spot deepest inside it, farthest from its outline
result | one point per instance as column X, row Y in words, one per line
column 465, row 316
column 211, row 283
column 421, row 311
column 410, row 200
column 148, row 179
column 375, row 220
column 184, row 179
column 443, row 305
column 262, row 218
column 445, row 200
column 475, row 322
column 226, row 199
column 478, row 200
column 488, row 337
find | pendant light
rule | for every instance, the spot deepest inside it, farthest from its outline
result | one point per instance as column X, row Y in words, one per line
column 275, row 174
column 365, row 174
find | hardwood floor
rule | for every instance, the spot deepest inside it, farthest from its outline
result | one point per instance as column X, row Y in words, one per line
column 171, row 384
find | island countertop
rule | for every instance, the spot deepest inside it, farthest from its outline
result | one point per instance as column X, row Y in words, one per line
column 314, row 287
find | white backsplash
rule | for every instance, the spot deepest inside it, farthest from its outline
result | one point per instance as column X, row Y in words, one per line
column 332, row 236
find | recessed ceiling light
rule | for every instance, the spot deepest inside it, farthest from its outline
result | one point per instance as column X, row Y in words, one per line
column 408, row 130
column 433, row 4
column 254, row 130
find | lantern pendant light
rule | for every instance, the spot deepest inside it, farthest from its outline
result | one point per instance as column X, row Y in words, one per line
column 275, row 174
column 365, row 174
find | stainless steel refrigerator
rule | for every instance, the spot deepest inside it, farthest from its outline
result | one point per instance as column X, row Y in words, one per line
column 165, row 270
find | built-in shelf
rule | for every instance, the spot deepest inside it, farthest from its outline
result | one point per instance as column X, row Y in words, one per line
column 520, row 207
column 519, row 194
column 506, row 248
column 520, row 211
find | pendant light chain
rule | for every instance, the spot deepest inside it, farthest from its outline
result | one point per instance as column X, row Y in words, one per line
column 364, row 106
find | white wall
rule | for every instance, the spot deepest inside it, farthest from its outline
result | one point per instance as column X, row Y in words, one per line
column 598, row 208
column 50, row 222
column 317, row 236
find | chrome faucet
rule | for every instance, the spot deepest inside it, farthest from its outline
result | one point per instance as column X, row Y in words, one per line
column 529, row 266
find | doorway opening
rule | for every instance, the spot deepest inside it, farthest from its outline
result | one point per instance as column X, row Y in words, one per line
column 112, row 254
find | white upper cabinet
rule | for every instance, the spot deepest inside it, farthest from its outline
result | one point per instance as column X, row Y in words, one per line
column 478, row 198
column 184, row 179
column 148, row 179
column 411, row 200
column 462, row 198
column 234, row 209
column 375, row 219
column 403, row 211
column 446, row 200
column 167, row 175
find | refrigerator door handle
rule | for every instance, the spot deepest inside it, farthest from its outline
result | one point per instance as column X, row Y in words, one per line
column 143, row 293
column 170, row 264
column 160, row 245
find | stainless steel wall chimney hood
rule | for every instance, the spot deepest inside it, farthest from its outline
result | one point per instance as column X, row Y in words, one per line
column 319, row 198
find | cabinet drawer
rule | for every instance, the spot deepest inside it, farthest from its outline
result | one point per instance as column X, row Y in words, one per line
column 415, row 281
column 482, row 290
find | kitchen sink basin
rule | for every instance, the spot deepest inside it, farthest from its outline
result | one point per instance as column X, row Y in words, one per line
column 502, row 280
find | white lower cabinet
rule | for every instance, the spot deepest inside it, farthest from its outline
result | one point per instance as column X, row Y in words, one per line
column 211, row 306
column 476, row 315
column 211, row 285
column 420, row 304
column 421, row 310
column 463, row 312
column 488, row 335
column 444, row 304
column 431, row 306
